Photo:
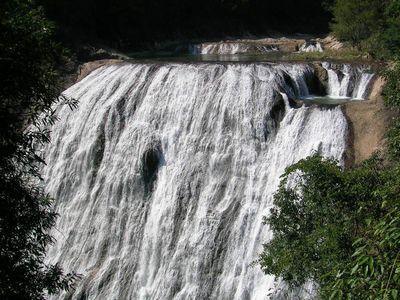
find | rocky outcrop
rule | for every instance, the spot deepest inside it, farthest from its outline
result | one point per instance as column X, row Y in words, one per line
column 331, row 43
column 89, row 67
column 86, row 59
column 311, row 46
column 368, row 122
column 90, row 53
column 321, row 75
column 81, row 71
column 286, row 45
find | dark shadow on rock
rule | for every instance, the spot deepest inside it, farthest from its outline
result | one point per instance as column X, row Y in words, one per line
column 151, row 161
column 274, row 117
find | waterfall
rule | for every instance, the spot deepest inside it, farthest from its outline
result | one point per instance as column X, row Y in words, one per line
column 345, row 81
column 231, row 48
column 164, row 171
column 360, row 92
column 311, row 46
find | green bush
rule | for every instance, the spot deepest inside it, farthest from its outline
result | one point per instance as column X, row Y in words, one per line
column 371, row 25
column 374, row 272
column 307, row 233
column 28, row 90
column 393, row 136
column 337, row 228
column 391, row 91
column 391, row 34
column 357, row 20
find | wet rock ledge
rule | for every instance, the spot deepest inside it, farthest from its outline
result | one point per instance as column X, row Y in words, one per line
column 368, row 122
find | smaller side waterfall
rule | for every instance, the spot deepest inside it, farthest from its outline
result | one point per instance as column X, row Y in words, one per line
column 363, row 85
column 230, row 48
column 311, row 46
column 346, row 81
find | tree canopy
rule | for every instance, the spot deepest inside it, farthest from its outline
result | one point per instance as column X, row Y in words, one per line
column 340, row 229
column 373, row 25
column 29, row 87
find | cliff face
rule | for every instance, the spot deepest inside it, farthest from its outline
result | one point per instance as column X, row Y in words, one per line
column 89, row 67
column 368, row 122
column 76, row 71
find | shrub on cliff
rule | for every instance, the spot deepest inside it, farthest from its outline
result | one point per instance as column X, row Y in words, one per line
column 29, row 87
column 391, row 34
column 372, row 25
column 391, row 91
column 357, row 20
column 338, row 228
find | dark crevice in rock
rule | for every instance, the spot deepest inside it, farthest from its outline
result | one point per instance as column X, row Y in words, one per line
column 340, row 75
column 275, row 116
column 293, row 103
column 349, row 155
column 288, row 80
column 151, row 161
column 98, row 150
column 319, row 85
column 120, row 107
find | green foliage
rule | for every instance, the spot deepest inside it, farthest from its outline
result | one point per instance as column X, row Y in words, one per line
column 29, row 87
column 375, row 265
column 338, row 228
column 356, row 20
column 371, row 25
column 393, row 136
column 307, row 234
column 391, row 92
column 391, row 34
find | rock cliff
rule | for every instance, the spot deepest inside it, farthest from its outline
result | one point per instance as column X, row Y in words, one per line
column 368, row 122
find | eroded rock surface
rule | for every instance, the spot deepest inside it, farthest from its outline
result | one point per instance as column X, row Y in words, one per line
column 368, row 122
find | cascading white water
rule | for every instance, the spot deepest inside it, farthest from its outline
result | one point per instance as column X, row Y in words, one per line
column 346, row 81
column 311, row 47
column 231, row 48
column 362, row 87
column 163, row 173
